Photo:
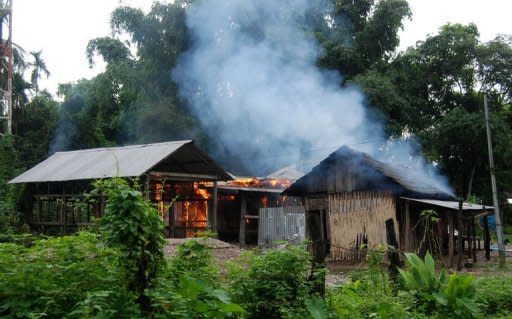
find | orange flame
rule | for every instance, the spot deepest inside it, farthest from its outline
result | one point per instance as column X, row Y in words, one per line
column 254, row 182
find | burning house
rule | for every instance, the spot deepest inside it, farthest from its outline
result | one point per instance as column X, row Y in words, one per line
column 350, row 196
column 250, row 209
column 166, row 172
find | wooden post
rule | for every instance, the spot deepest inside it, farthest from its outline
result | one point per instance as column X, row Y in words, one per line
column 243, row 212
column 407, row 228
column 473, row 227
column 487, row 239
column 215, row 227
column 469, row 238
column 393, row 256
column 460, row 243
column 315, row 226
column 451, row 238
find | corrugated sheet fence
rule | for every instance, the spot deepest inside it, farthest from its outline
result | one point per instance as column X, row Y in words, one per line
column 281, row 223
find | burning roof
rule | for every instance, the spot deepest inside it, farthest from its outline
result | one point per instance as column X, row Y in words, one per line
column 348, row 170
column 275, row 182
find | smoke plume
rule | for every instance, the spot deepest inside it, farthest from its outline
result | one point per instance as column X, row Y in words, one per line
column 251, row 78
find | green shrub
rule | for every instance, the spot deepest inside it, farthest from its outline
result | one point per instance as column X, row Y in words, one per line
column 271, row 284
column 134, row 227
column 434, row 292
column 52, row 277
column 457, row 298
column 422, row 281
column 495, row 295
column 367, row 299
column 194, row 258
column 190, row 286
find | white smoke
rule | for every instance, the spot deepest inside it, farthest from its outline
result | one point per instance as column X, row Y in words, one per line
column 251, row 77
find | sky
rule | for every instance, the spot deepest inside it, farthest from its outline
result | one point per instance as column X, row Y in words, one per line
column 62, row 28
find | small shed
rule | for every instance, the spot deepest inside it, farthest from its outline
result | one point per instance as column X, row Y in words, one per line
column 165, row 171
column 350, row 195
column 250, row 208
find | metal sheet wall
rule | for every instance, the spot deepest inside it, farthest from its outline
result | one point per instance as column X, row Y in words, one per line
column 281, row 223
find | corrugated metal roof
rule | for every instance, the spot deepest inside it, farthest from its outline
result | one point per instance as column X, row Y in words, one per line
column 454, row 205
column 372, row 175
column 125, row 161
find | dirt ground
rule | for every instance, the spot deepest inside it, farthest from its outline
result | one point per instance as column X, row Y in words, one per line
column 222, row 251
column 339, row 273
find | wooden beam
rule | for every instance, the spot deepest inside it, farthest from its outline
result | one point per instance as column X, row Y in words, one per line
column 185, row 176
column 243, row 213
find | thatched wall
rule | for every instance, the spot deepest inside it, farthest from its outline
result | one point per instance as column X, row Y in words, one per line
column 356, row 218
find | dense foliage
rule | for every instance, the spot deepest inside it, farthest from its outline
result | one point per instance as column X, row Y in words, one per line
column 265, row 285
column 66, row 277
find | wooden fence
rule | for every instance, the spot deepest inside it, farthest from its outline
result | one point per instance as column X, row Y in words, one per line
column 281, row 223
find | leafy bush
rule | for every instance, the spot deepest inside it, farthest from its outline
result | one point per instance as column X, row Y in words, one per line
column 494, row 294
column 422, row 281
column 55, row 277
column 134, row 227
column 271, row 284
column 433, row 291
column 367, row 299
column 457, row 299
column 190, row 286
column 194, row 258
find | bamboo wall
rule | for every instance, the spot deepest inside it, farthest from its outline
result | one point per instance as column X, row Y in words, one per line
column 358, row 217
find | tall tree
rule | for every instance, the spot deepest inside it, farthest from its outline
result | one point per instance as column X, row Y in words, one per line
column 443, row 80
column 361, row 34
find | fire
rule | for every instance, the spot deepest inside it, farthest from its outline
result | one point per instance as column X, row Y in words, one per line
column 201, row 192
column 189, row 213
column 254, row 182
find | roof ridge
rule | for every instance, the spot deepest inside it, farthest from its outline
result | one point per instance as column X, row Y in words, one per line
column 98, row 149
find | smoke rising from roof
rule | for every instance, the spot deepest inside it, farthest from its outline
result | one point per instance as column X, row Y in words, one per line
column 251, row 78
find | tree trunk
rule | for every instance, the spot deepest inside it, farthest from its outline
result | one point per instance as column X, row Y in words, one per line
column 470, row 184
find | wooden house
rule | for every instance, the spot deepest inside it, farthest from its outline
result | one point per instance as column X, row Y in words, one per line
column 164, row 171
column 350, row 195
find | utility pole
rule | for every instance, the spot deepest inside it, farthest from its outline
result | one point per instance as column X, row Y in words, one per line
column 499, row 225
column 6, row 65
